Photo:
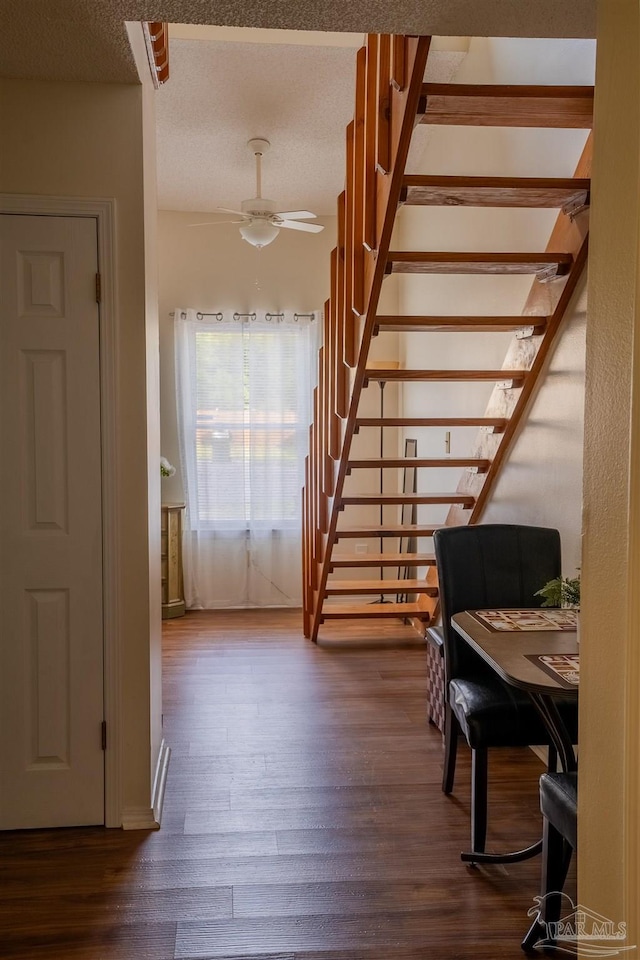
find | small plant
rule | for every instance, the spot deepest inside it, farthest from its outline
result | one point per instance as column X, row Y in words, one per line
column 561, row 592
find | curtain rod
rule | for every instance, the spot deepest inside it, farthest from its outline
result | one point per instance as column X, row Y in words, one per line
column 200, row 315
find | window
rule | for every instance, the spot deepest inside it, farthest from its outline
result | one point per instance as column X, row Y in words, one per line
column 246, row 403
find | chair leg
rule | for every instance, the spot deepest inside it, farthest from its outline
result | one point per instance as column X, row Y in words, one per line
column 451, row 731
column 479, row 760
column 556, row 857
column 567, row 853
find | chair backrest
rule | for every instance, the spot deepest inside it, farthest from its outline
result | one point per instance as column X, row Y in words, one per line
column 486, row 566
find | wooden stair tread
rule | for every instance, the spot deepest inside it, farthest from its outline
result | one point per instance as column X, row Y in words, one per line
column 400, row 498
column 407, row 324
column 549, row 264
column 372, row 611
column 386, row 462
column 337, row 587
column 498, row 423
column 568, row 192
column 383, row 560
column 483, row 375
column 387, row 530
column 494, row 105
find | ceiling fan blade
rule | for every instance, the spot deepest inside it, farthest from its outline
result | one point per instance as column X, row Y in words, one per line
column 239, row 213
column 296, row 215
column 213, row 223
column 297, row 225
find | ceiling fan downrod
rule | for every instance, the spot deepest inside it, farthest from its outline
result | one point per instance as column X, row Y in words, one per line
column 259, row 147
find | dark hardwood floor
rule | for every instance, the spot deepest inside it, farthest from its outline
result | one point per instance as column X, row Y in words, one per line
column 303, row 818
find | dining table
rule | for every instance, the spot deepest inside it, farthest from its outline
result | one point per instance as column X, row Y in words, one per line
column 535, row 650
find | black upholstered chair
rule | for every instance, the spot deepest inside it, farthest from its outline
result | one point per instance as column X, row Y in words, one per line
column 559, row 806
column 482, row 567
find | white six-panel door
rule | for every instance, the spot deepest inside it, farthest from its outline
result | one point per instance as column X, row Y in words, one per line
column 51, row 625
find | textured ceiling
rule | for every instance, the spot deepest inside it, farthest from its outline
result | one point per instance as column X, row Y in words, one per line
column 86, row 40
column 220, row 95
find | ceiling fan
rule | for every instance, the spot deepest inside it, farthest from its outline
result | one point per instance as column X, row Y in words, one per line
column 261, row 222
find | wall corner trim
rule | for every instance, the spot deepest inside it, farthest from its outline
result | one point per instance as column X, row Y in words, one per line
column 149, row 818
column 160, row 781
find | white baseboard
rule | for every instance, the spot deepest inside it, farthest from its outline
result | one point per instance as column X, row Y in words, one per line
column 139, row 818
column 149, row 818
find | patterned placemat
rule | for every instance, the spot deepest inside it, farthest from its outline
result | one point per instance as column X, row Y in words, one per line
column 542, row 619
column 563, row 667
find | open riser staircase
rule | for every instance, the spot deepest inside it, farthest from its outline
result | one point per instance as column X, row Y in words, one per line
column 392, row 98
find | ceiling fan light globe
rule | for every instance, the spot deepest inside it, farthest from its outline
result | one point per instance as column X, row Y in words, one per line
column 259, row 233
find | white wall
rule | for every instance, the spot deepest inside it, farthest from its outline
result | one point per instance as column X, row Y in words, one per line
column 541, row 483
column 542, row 480
column 85, row 140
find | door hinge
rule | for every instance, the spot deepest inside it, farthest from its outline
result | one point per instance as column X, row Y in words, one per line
column 98, row 288
column 104, row 734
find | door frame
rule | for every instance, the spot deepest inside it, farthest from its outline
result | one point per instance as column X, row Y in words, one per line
column 103, row 212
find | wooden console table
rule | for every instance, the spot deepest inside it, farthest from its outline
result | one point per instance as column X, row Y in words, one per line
column 171, row 557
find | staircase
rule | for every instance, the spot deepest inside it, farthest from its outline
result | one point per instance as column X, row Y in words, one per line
column 391, row 100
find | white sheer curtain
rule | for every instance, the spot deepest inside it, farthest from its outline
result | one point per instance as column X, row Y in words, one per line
column 244, row 388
